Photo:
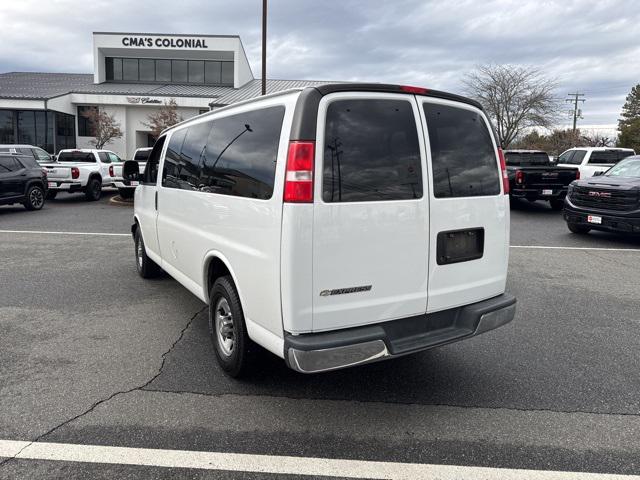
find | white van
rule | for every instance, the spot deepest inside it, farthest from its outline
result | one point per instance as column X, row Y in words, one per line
column 333, row 226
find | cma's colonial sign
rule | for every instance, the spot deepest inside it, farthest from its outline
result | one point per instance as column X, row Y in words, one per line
column 159, row 42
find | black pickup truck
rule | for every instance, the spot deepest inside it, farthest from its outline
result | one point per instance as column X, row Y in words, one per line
column 532, row 176
column 608, row 201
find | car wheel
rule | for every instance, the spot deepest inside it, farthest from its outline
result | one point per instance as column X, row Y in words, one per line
column 575, row 228
column 126, row 193
column 35, row 198
column 51, row 195
column 556, row 204
column 93, row 189
column 233, row 347
column 146, row 267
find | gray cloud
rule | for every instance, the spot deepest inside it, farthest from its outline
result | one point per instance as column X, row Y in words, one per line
column 589, row 46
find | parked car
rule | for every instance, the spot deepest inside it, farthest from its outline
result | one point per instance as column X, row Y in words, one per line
column 126, row 188
column 81, row 170
column 532, row 176
column 593, row 159
column 313, row 224
column 38, row 153
column 22, row 180
column 609, row 201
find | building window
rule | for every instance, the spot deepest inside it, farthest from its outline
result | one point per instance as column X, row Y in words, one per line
column 6, row 127
column 85, row 127
column 65, row 131
column 198, row 72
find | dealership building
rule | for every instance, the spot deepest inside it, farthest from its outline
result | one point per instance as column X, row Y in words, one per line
column 133, row 75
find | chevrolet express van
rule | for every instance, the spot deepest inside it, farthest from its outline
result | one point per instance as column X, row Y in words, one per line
column 333, row 225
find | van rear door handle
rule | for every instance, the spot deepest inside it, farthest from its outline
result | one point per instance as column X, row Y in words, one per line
column 156, row 200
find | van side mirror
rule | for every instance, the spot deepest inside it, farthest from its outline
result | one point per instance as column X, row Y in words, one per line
column 131, row 170
column 597, row 174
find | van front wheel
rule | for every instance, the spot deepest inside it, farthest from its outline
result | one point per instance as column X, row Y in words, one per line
column 231, row 344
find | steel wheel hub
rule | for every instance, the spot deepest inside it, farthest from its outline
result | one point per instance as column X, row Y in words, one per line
column 225, row 331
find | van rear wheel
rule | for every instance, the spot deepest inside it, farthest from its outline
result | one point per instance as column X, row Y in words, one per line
column 232, row 346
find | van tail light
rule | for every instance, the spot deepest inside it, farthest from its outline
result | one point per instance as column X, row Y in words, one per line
column 75, row 172
column 298, row 182
column 111, row 171
column 503, row 169
column 416, row 90
column 519, row 177
column 577, row 174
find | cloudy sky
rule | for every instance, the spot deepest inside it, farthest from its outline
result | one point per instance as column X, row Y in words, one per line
column 589, row 46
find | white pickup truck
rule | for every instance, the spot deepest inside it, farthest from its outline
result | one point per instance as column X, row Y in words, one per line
column 81, row 170
column 126, row 188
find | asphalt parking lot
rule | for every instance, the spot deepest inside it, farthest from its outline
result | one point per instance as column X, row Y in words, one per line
column 91, row 354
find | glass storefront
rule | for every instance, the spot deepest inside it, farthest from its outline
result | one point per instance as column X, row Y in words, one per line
column 37, row 127
column 201, row 72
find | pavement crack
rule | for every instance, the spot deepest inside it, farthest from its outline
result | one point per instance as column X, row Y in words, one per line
column 113, row 395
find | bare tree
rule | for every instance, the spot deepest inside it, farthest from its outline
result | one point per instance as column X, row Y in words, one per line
column 103, row 127
column 592, row 138
column 516, row 98
column 166, row 116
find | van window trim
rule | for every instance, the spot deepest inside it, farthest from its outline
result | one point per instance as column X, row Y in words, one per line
column 323, row 106
column 249, row 106
column 492, row 136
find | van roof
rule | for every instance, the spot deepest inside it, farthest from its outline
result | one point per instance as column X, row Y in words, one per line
column 322, row 90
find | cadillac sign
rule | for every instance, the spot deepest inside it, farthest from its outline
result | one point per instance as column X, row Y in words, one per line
column 143, row 100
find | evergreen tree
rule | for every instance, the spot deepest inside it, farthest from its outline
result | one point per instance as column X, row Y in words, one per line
column 629, row 123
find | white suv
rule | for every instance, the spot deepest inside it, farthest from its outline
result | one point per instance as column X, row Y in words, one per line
column 333, row 226
column 590, row 160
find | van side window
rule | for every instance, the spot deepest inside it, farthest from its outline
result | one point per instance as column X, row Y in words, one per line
column 153, row 162
column 172, row 165
column 371, row 152
column 241, row 153
column 462, row 153
column 187, row 170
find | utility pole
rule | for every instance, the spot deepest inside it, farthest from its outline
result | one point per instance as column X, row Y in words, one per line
column 264, row 47
column 575, row 98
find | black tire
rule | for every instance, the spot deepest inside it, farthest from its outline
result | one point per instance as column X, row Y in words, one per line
column 35, row 198
column 580, row 229
column 126, row 193
column 51, row 195
column 93, row 190
column 556, row 204
column 146, row 267
column 236, row 359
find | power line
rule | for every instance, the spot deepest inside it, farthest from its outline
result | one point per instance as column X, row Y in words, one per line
column 575, row 98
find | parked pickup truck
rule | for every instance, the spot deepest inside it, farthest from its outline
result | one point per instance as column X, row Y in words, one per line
column 593, row 159
column 533, row 176
column 81, row 170
column 609, row 201
column 126, row 188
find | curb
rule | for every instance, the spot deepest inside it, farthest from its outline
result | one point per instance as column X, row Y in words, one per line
column 117, row 200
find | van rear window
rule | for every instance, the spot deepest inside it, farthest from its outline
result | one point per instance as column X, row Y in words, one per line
column 462, row 153
column 371, row 152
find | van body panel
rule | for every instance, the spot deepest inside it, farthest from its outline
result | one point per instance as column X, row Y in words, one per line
column 379, row 247
column 457, row 284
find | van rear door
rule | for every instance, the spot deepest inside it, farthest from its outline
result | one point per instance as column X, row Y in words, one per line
column 371, row 211
column 469, row 213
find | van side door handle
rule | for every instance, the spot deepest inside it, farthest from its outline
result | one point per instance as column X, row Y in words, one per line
column 156, row 200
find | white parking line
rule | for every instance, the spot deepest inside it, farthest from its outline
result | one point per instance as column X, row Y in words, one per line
column 42, row 232
column 282, row 465
column 543, row 247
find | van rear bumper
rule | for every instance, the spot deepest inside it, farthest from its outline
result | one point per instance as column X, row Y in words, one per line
column 321, row 352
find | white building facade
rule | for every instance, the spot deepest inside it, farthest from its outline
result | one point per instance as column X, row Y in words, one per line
column 134, row 75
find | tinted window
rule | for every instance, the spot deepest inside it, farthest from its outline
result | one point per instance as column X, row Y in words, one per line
column 186, row 173
column 241, row 153
column 196, row 71
column 227, row 73
column 76, row 157
column 147, row 70
column 526, row 158
column 172, row 161
column 179, row 71
column 462, row 153
column 371, row 152
column 9, row 164
column 28, row 162
column 26, row 127
column 608, row 156
column 25, row 151
column 141, row 155
column 130, row 69
column 163, row 70
column 578, row 157
column 212, row 71
column 6, row 126
column 85, row 126
column 151, row 169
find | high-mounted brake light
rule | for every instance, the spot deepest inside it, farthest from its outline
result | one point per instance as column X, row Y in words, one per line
column 416, row 90
column 503, row 168
column 519, row 177
column 111, row 171
column 75, row 172
column 298, row 182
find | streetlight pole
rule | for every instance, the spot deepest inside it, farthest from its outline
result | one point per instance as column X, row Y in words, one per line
column 264, row 47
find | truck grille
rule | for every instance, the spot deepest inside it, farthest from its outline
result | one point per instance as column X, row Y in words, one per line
column 605, row 199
